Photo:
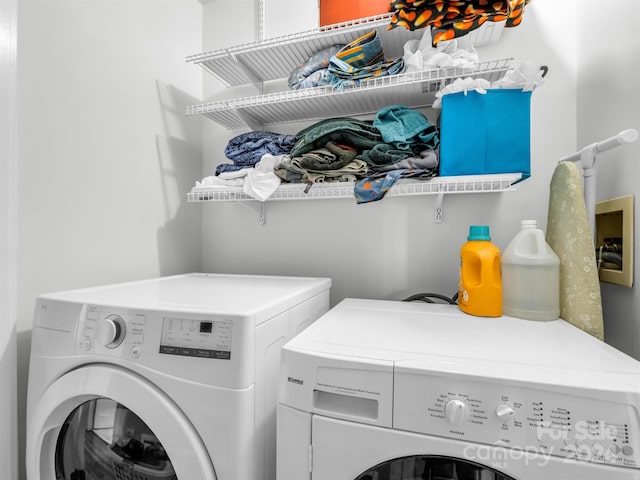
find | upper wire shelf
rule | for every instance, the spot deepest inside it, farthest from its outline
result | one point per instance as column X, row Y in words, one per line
column 275, row 58
column 415, row 89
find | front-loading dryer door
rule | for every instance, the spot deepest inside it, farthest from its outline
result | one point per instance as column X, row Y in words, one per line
column 105, row 423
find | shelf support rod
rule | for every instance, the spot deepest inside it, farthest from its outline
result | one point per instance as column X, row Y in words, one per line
column 257, row 207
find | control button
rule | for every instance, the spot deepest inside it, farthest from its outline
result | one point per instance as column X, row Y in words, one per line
column 112, row 331
column 86, row 344
column 615, row 448
column 135, row 351
column 627, row 450
column 504, row 412
column 457, row 411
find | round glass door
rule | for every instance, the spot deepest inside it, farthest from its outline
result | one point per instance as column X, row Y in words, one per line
column 102, row 422
column 104, row 440
column 427, row 467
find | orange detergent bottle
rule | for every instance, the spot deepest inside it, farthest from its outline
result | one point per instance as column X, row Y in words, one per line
column 480, row 287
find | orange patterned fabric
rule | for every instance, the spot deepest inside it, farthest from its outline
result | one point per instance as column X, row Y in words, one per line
column 452, row 19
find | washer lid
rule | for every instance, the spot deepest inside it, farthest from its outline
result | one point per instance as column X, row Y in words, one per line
column 260, row 295
column 442, row 337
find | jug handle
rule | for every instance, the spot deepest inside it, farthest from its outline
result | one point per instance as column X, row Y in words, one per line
column 542, row 244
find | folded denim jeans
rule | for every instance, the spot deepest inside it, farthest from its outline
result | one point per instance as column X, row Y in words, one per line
column 359, row 60
column 247, row 148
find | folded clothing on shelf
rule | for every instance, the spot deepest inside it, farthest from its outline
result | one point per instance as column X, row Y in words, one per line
column 399, row 142
column 294, row 170
column 359, row 134
column 314, row 72
column 397, row 133
column 405, row 128
column 259, row 181
column 247, row 149
column 361, row 59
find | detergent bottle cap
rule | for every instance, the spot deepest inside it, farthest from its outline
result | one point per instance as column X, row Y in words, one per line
column 479, row 233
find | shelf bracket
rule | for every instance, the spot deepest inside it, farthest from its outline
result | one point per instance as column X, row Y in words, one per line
column 437, row 211
column 257, row 207
column 249, row 120
column 248, row 71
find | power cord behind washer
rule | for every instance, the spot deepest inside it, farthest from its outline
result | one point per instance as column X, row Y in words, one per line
column 429, row 298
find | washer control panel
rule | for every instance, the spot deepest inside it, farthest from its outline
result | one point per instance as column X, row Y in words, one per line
column 580, row 425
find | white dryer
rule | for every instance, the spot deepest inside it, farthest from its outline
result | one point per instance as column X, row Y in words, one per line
column 170, row 378
column 383, row 390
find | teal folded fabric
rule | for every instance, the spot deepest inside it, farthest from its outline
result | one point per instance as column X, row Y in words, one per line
column 384, row 154
column 405, row 128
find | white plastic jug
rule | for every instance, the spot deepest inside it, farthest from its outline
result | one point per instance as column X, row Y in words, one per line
column 530, row 276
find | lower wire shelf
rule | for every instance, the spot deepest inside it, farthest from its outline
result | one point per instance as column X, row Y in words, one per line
column 334, row 190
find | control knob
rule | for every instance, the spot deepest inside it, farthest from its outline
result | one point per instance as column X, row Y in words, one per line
column 456, row 411
column 504, row 412
column 112, row 331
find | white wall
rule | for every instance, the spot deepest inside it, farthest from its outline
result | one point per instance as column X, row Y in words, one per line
column 392, row 248
column 106, row 155
column 608, row 101
column 8, row 359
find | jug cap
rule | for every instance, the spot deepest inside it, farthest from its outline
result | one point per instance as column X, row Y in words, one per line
column 479, row 232
column 528, row 224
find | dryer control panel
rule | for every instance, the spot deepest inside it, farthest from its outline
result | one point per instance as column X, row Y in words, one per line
column 129, row 333
column 110, row 331
column 583, row 425
column 196, row 338
column 194, row 346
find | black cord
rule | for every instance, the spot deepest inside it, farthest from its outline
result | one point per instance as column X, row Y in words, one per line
column 428, row 298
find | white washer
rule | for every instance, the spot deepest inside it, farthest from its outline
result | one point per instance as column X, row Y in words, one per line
column 383, row 390
column 170, row 378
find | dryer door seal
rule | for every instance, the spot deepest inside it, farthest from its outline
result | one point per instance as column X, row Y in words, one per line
column 108, row 385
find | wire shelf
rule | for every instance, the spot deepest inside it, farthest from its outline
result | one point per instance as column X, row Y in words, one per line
column 275, row 58
column 415, row 89
column 333, row 190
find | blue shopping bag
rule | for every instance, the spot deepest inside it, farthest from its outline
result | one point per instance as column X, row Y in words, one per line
column 486, row 133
